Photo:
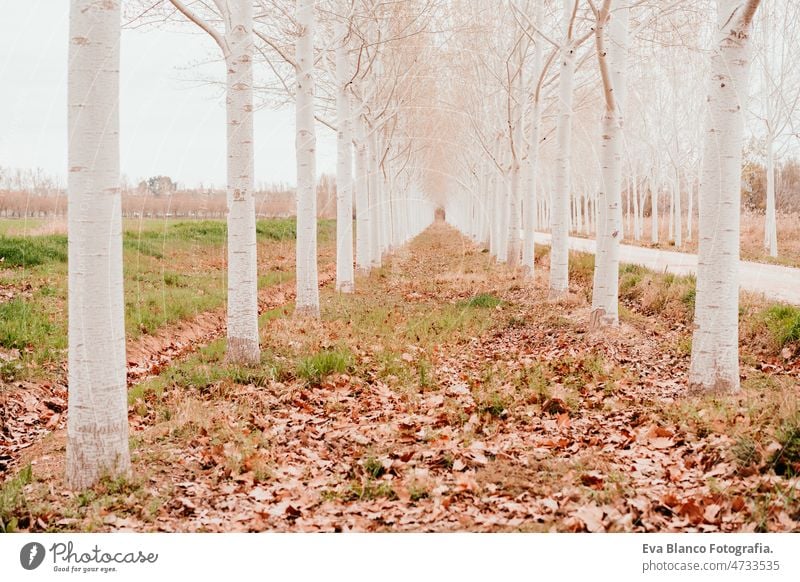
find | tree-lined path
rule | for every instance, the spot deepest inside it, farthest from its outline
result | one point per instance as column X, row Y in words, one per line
column 443, row 395
column 427, row 360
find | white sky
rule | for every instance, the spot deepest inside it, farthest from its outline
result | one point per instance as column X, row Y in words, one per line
column 170, row 123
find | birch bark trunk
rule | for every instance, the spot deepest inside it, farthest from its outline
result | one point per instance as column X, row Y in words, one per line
column 671, row 222
column 482, row 206
column 678, row 212
column 559, row 211
column 243, row 340
column 770, row 226
column 386, row 203
column 307, row 302
column 345, row 281
column 362, row 199
column 605, row 297
column 715, row 344
column 689, row 208
column 637, row 224
column 97, row 429
column 654, row 210
column 628, row 207
column 375, row 239
column 492, row 215
column 503, row 207
column 531, row 203
column 516, row 133
column 771, row 230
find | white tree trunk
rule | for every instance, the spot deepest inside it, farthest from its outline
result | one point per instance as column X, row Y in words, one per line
column 97, row 430
column 503, row 206
column 690, row 210
column 628, row 207
column 637, row 223
column 397, row 231
column 386, row 204
column 671, row 221
column 491, row 211
column 586, row 210
column 483, row 205
column 771, row 226
column 404, row 210
column 397, row 212
column 243, row 344
column 362, row 199
column 678, row 212
column 345, row 281
column 375, row 220
column 574, row 216
column 559, row 211
column 514, row 246
column 516, row 129
column 715, row 345
column 654, row 210
column 605, row 297
column 605, row 310
column 307, row 303
column 530, row 203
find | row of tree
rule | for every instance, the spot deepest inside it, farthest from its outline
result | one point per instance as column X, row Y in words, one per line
column 376, row 172
column 499, row 116
column 665, row 65
column 501, row 202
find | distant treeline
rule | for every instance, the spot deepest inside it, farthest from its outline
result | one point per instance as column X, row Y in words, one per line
column 142, row 202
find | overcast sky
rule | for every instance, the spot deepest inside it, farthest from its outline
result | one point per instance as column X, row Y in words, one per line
column 170, row 123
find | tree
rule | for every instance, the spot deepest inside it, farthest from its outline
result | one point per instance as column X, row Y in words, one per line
column 236, row 44
column 715, row 344
column 559, row 216
column 97, row 430
column 344, row 164
column 779, row 96
column 307, row 303
column 613, row 65
column 158, row 185
column 530, row 203
column 363, row 233
column 516, row 122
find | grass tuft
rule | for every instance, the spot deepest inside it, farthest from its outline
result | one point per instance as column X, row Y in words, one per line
column 373, row 467
column 783, row 322
column 745, row 451
column 786, row 461
column 12, row 499
column 314, row 368
column 495, row 404
column 368, row 490
column 484, row 300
